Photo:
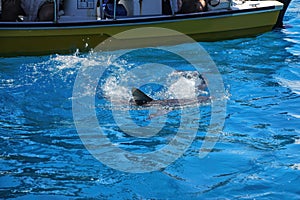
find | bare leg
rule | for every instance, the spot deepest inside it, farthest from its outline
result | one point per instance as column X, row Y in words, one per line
column 46, row 12
column 191, row 6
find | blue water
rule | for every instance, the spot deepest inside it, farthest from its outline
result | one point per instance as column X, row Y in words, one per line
column 256, row 156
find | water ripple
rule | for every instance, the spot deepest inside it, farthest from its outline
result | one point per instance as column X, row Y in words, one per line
column 257, row 156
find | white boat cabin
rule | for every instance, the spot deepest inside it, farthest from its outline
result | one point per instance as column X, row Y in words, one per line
column 89, row 10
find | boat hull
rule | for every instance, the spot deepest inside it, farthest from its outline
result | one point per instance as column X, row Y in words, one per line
column 49, row 38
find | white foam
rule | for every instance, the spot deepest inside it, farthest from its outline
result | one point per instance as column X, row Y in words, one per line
column 296, row 166
column 297, row 141
column 294, row 85
column 183, row 88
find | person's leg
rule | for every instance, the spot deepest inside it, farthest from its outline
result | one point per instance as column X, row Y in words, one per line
column 166, row 7
column 46, row 12
column 191, row 6
column 201, row 5
column 11, row 9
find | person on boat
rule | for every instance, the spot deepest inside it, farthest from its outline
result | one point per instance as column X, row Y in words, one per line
column 109, row 9
column 38, row 10
column 11, row 9
column 167, row 6
column 192, row 6
column 184, row 6
column 34, row 10
column 110, row 1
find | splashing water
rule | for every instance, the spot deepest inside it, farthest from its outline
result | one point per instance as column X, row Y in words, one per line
column 257, row 155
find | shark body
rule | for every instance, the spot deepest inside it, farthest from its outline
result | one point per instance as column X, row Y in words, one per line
column 141, row 99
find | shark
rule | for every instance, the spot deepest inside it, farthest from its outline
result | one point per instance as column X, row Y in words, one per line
column 139, row 98
column 142, row 99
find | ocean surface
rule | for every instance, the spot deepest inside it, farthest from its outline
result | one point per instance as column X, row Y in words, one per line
column 257, row 155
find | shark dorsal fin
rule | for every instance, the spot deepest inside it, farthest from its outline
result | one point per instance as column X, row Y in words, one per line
column 140, row 98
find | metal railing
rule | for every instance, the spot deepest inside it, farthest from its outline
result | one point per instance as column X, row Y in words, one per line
column 115, row 9
column 56, row 9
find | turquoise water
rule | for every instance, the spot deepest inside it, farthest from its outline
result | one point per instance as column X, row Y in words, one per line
column 256, row 156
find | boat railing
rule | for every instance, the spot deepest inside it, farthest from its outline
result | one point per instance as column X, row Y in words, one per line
column 172, row 7
column 0, row 8
column 100, row 13
column 115, row 10
column 55, row 13
column 100, row 9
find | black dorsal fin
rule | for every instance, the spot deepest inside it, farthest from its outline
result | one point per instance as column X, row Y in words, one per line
column 140, row 98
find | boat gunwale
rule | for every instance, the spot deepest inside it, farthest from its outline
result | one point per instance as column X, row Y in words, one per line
column 132, row 20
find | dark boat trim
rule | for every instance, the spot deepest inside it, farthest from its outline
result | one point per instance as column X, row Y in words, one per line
column 279, row 23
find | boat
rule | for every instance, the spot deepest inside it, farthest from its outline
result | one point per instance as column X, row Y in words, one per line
column 82, row 29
